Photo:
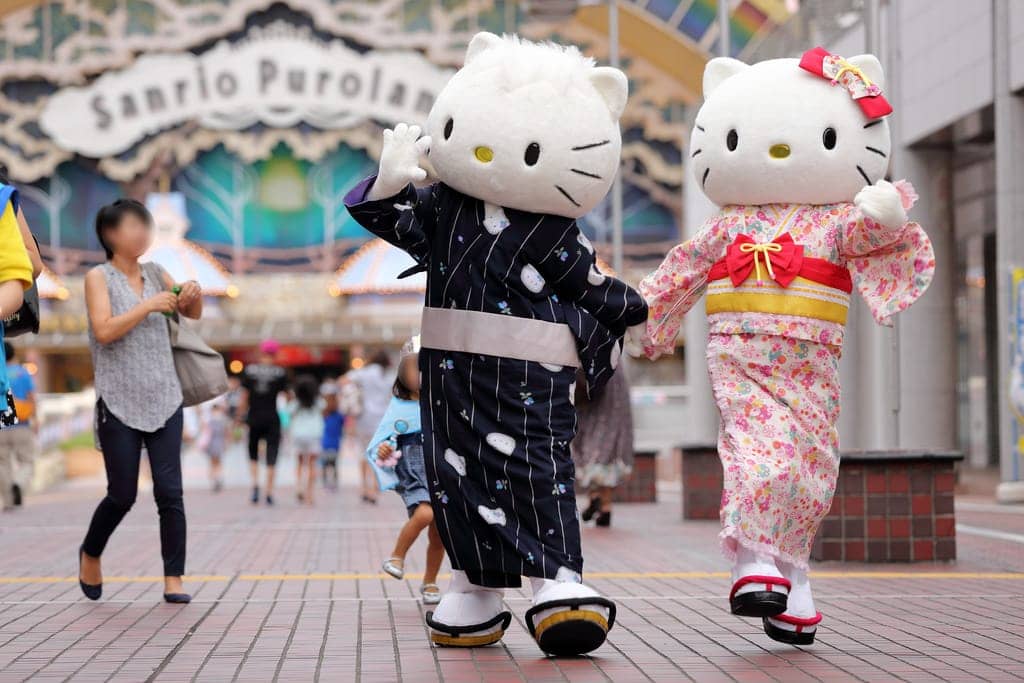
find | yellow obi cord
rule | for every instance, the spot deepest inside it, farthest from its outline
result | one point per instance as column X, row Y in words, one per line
column 762, row 250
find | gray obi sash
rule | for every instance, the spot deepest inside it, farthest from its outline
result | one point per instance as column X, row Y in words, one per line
column 496, row 334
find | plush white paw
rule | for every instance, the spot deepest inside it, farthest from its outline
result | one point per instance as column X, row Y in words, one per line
column 400, row 160
column 882, row 203
column 633, row 344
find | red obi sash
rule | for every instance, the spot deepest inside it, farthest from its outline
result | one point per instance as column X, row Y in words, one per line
column 776, row 277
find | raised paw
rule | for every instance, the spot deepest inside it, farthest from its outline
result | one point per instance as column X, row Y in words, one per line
column 633, row 344
column 882, row 203
column 400, row 158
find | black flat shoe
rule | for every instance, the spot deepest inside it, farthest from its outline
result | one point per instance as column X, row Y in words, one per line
column 177, row 598
column 255, row 495
column 93, row 592
column 604, row 519
column 592, row 509
column 270, row 499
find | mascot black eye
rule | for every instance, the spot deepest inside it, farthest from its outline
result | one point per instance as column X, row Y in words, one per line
column 448, row 127
column 732, row 139
column 829, row 138
column 532, row 154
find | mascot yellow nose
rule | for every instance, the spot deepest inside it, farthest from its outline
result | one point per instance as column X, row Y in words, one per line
column 484, row 154
column 779, row 151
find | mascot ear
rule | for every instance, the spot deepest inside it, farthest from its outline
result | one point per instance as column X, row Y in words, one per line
column 480, row 43
column 871, row 67
column 613, row 86
column 718, row 70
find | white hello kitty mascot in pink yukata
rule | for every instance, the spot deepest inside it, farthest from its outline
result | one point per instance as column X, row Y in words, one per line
column 795, row 153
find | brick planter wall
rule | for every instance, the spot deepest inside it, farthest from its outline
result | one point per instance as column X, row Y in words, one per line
column 641, row 487
column 702, row 482
column 891, row 508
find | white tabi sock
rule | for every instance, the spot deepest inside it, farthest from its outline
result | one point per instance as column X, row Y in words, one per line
column 750, row 563
column 801, row 602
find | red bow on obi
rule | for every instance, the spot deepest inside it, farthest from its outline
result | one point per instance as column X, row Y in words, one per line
column 782, row 258
column 868, row 95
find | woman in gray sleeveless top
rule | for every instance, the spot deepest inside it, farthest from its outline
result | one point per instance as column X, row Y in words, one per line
column 138, row 395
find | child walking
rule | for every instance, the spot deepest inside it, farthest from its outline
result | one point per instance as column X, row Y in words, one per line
column 330, row 445
column 214, row 436
column 396, row 453
column 306, row 429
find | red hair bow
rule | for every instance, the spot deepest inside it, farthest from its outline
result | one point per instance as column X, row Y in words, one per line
column 868, row 95
column 782, row 259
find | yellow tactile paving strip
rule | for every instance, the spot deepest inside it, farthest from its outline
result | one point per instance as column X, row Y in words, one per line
column 822, row 575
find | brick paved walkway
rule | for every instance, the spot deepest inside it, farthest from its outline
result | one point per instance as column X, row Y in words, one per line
column 293, row 594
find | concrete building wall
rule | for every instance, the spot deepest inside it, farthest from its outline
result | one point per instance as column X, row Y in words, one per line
column 945, row 62
column 926, row 353
column 1017, row 45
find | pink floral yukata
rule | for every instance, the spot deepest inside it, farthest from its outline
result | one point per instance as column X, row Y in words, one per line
column 775, row 377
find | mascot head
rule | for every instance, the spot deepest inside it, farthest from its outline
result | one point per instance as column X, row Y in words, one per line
column 784, row 131
column 527, row 126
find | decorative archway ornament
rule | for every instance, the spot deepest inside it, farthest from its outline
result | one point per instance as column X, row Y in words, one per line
column 154, row 84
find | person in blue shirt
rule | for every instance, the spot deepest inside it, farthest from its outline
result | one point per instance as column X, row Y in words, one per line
column 396, row 454
column 330, row 444
column 19, row 442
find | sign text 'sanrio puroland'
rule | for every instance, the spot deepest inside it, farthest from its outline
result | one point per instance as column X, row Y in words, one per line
column 278, row 75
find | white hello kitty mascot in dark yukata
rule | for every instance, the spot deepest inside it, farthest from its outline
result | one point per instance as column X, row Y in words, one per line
column 524, row 139
column 795, row 154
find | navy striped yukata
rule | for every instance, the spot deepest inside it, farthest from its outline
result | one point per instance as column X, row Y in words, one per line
column 497, row 429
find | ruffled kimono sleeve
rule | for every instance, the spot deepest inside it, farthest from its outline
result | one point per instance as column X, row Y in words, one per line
column 678, row 283
column 891, row 268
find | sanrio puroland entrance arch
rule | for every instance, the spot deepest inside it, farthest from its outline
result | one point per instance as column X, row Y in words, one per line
column 257, row 108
